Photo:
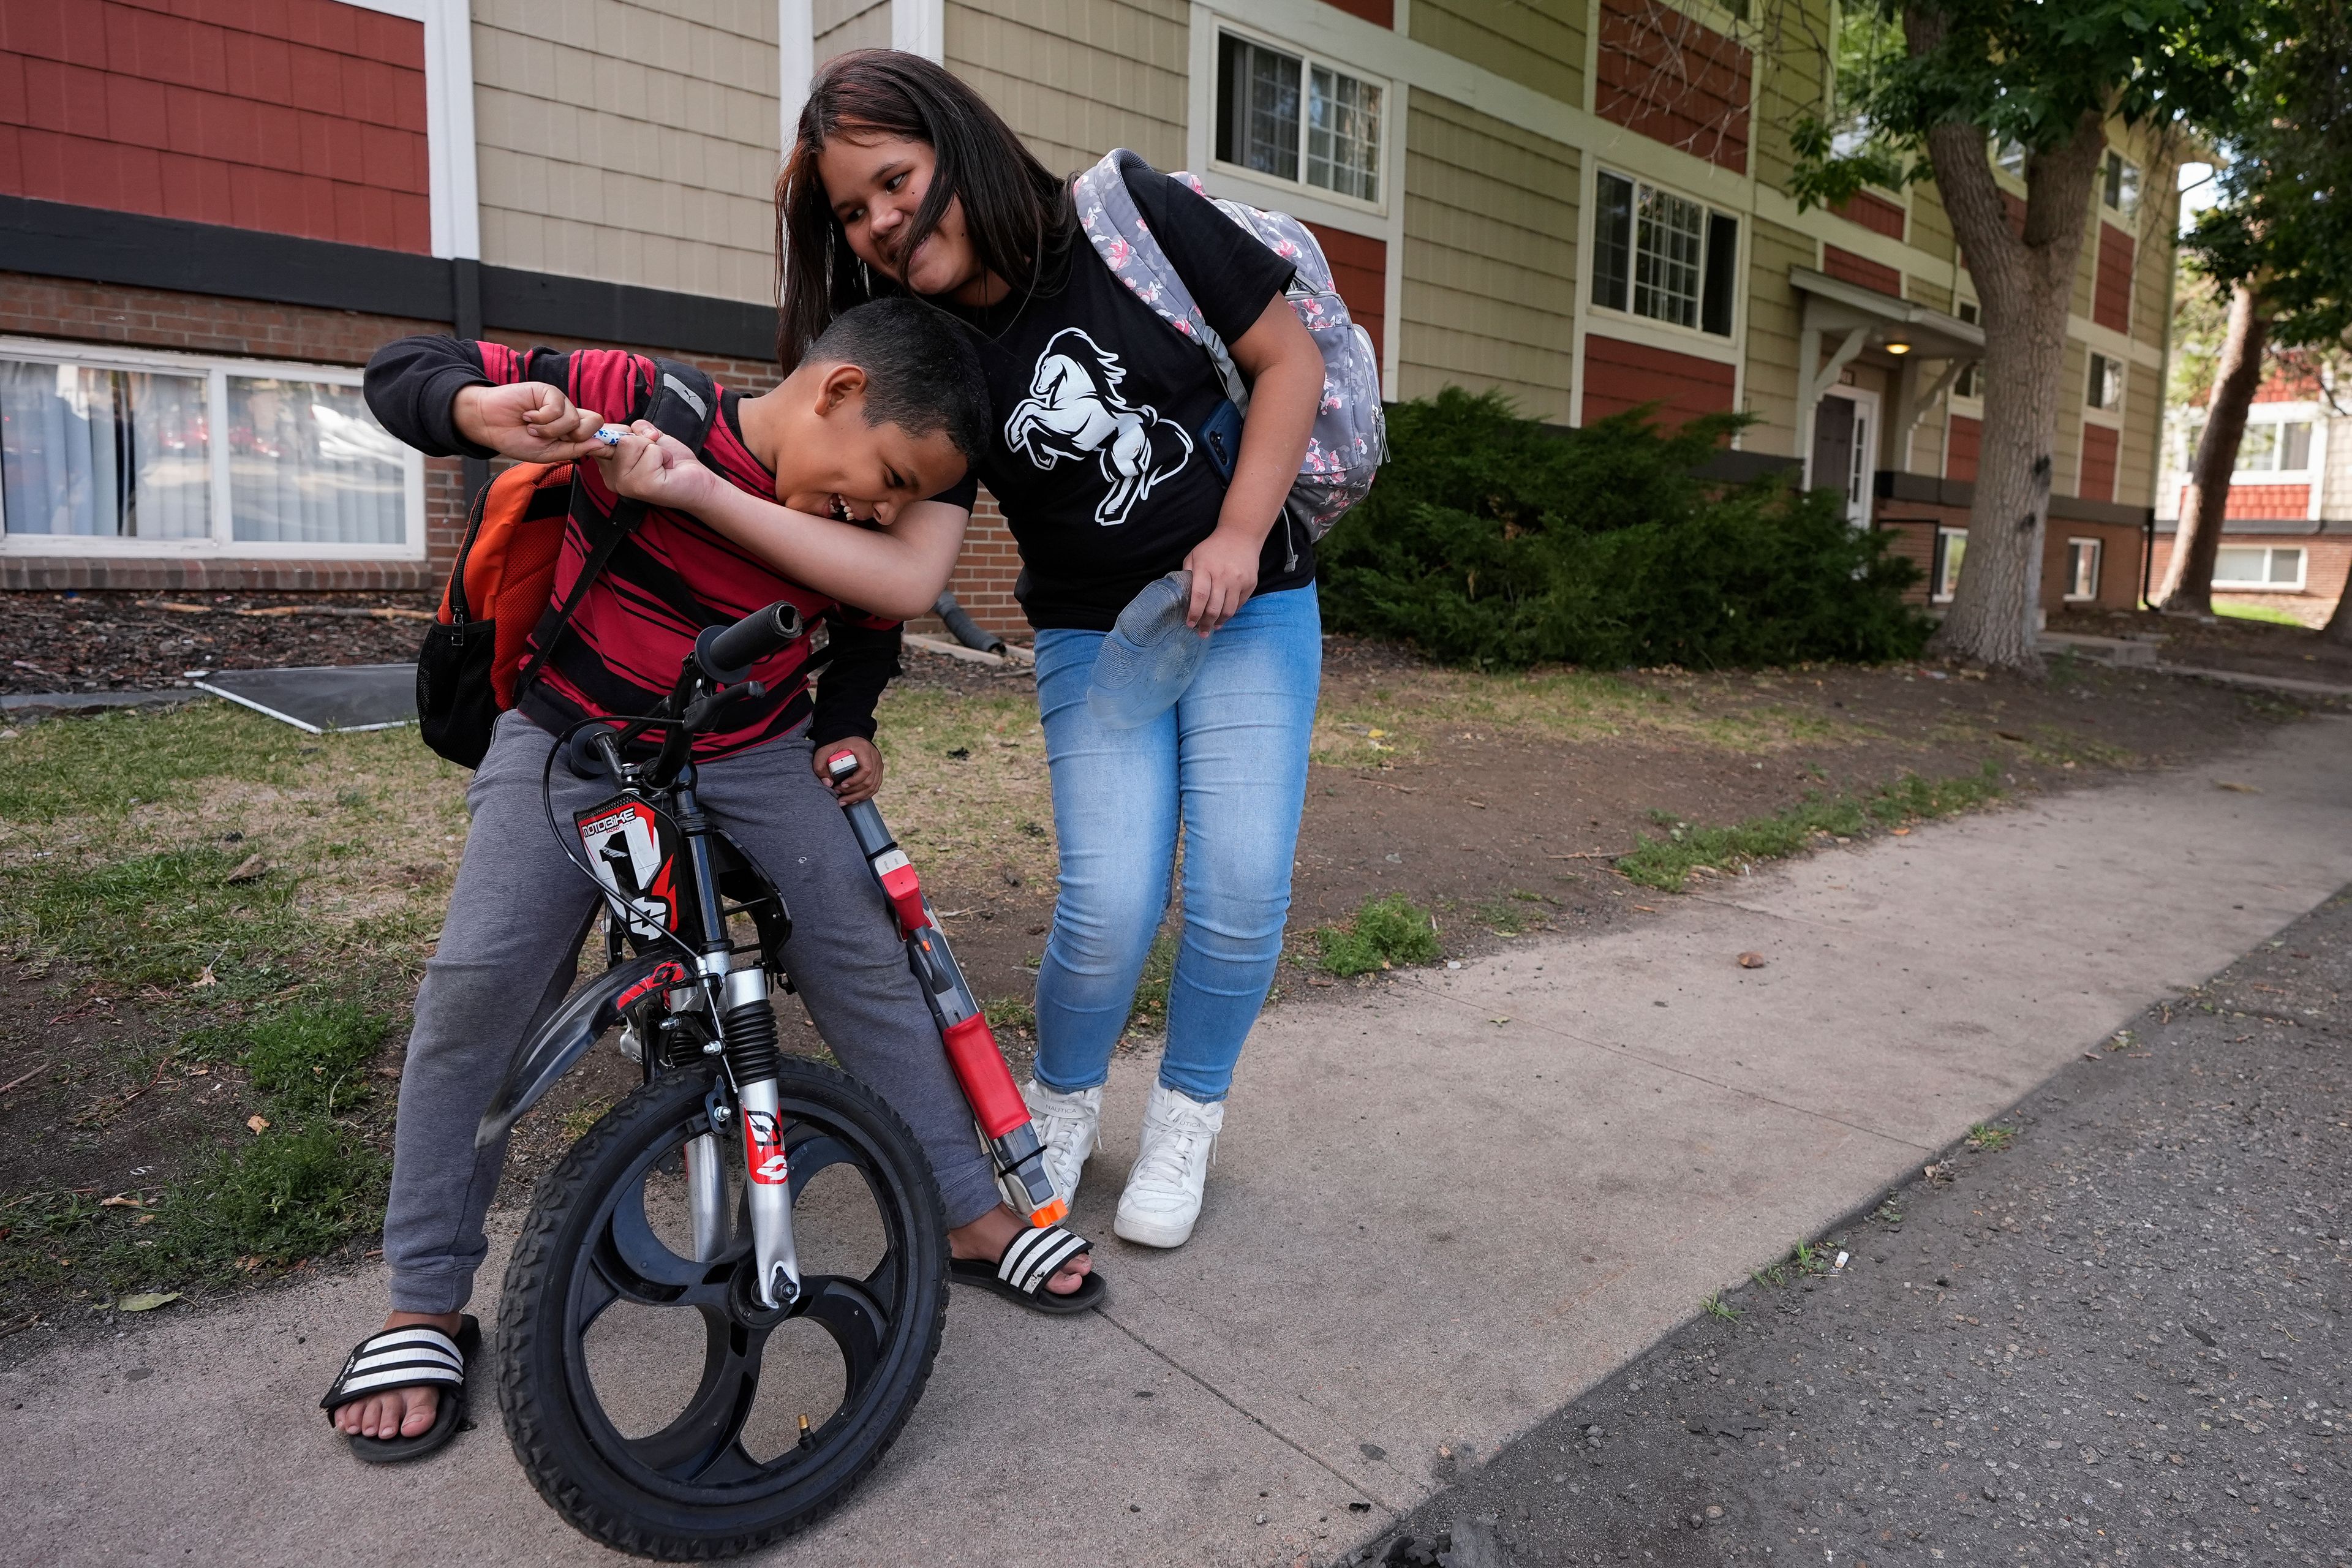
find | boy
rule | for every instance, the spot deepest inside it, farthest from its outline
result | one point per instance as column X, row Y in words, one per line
column 888, row 408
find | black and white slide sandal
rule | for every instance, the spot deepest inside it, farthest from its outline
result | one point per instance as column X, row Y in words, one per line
column 417, row 1356
column 1030, row 1260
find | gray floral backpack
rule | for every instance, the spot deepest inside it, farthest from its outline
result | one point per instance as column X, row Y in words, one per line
column 1350, row 438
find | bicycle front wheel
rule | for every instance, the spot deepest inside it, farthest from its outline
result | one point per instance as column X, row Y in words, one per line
column 654, row 1404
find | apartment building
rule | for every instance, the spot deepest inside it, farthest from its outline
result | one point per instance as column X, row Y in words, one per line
column 212, row 210
column 2286, row 534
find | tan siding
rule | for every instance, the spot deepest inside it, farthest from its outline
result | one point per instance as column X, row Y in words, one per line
column 1536, row 43
column 638, row 149
column 1490, row 260
column 2143, row 427
column 842, row 25
column 1076, row 77
column 1772, row 370
column 2066, row 462
column 1931, row 226
column 1927, row 291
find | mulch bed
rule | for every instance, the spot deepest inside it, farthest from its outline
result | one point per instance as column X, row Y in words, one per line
column 148, row 642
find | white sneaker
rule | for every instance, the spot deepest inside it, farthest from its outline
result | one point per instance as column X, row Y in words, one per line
column 1065, row 1125
column 1163, row 1190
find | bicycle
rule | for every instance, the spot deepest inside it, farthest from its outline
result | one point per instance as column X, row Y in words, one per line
column 648, row 1219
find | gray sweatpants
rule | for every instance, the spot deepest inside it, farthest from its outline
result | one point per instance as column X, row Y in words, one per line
column 506, row 954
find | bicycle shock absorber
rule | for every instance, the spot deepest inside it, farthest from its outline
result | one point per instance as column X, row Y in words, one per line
column 748, row 1030
column 971, row 1044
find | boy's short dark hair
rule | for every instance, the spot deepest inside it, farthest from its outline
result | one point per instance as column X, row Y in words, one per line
column 921, row 372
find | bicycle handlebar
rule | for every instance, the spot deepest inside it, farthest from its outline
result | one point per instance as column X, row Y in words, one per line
column 728, row 653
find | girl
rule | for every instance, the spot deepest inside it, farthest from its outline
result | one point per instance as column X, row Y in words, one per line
column 902, row 179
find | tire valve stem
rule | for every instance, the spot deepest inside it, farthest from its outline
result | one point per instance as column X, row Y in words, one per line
column 805, row 1438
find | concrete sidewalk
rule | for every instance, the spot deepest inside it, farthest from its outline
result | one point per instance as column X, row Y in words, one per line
column 1438, row 1213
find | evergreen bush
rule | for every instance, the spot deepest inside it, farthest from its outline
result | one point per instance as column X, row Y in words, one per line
column 1493, row 540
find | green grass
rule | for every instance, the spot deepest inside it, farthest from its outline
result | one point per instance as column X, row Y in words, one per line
column 286, row 1195
column 1715, row 1306
column 105, row 766
column 2258, row 612
column 311, row 1057
column 1150, row 1010
column 1004, row 1013
column 1990, row 1139
column 159, row 918
column 1386, row 933
column 1667, row 861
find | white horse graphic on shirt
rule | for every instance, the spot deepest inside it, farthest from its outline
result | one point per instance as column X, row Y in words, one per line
column 1074, row 408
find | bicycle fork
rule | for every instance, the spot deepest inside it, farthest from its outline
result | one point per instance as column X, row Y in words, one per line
column 747, row 1032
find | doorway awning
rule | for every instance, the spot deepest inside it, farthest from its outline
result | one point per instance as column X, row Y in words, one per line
column 1847, row 319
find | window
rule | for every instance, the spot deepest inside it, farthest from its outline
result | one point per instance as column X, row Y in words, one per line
column 2105, row 384
column 2275, row 568
column 1951, row 547
column 1296, row 119
column 107, row 451
column 2276, row 446
column 1665, row 257
column 1970, row 382
column 2082, row 569
column 2119, row 185
column 2009, row 156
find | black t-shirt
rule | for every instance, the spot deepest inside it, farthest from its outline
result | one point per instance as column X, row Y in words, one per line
column 1099, row 402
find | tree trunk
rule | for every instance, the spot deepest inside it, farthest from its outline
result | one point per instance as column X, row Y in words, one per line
column 2338, row 629
column 2024, row 284
column 2187, row 587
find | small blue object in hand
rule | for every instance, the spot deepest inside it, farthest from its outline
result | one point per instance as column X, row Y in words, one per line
column 611, row 433
column 1149, row 658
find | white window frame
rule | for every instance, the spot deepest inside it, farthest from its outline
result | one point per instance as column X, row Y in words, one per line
column 2124, row 209
column 2099, row 414
column 2097, row 550
column 1389, row 167
column 1724, row 345
column 2240, row 585
column 219, row 544
column 2280, row 414
column 1969, row 310
column 1939, row 590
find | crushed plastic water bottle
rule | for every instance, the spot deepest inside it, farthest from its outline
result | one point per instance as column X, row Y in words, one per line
column 1149, row 658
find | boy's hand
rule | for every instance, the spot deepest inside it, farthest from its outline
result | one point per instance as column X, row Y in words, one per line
column 659, row 470
column 1225, row 575
column 530, row 421
column 863, row 784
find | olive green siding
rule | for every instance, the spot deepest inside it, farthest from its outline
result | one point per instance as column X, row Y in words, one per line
column 1076, row 77
column 1772, row 372
column 1536, row 43
column 1490, row 260
column 1931, row 228
column 1789, row 87
column 841, row 26
column 634, row 143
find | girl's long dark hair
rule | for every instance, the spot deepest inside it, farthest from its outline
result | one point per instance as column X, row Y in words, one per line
column 1019, row 215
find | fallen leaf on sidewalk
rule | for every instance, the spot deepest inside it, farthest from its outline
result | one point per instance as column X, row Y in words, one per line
column 258, row 1122
column 251, row 869
column 2237, row 788
column 146, row 1301
column 1751, row 961
column 1504, row 1019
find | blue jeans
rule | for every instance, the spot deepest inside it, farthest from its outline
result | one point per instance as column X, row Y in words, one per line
column 1230, row 760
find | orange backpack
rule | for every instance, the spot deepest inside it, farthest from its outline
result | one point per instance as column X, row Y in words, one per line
column 502, row 587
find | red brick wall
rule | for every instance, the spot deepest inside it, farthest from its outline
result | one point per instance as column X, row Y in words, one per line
column 2097, row 482
column 2327, row 561
column 1360, row 270
column 1874, row 213
column 2111, row 290
column 1665, row 76
column 1961, row 447
column 303, row 117
column 202, row 323
column 1852, row 268
column 1914, row 525
column 1618, row 375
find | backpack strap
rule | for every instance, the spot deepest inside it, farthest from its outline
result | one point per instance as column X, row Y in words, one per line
column 1115, row 226
column 683, row 404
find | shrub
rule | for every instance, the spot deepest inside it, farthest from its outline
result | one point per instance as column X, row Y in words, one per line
column 1492, row 539
column 1385, row 933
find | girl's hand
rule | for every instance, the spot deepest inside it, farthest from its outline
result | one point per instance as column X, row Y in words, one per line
column 863, row 784
column 1225, row 575
column 529, row 420
column 657, row 469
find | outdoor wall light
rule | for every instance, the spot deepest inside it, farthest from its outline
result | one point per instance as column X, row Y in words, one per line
column 1897, row 346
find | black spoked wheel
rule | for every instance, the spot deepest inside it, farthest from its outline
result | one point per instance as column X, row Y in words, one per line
column 652, row 1403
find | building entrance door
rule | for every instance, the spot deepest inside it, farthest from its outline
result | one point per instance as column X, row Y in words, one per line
column 1845, row 432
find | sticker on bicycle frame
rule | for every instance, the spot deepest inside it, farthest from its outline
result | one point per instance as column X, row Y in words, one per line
column 764, row 1148
column 634, row 849
column 668, row 974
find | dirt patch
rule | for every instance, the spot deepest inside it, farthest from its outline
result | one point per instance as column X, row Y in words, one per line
column 2226, row 642
column 123, row 642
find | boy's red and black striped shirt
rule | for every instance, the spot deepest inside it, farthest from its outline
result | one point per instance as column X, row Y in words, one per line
column 670, row 578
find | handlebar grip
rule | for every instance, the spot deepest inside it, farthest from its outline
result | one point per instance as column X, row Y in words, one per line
column 728, row 653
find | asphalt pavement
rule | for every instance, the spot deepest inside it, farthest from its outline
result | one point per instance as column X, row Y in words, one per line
column 2109, row 1329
